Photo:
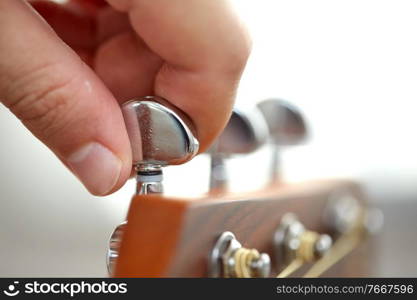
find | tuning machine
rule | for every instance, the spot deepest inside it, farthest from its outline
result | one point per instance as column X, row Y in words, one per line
column 114, row 244
column 286, row 127
column 229, row 259
column 160, row 135
column 345, row 212
column 244, row 133
column 292, row 241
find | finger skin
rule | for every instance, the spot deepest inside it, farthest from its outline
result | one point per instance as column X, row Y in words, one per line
column 83, row 25
column 189, row 52
column 72, row 22
column 127, row 66
column 204, row 49
column 62, row 102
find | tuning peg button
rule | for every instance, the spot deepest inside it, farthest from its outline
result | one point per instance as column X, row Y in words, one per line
column 285, row 122
column 286, row 127
column 160, row 135
column 244, row 133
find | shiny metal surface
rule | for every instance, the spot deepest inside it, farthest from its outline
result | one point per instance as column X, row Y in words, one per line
column 149, row 179
column 323, row 244
column 160, row 135
column 285, row 122
column 226, row 242
column 286, row 127
column 114, row 244
column 244, row 133
column 342, row 211
column 262, row 267
column 287, row 240
column 222, row 259
column 149, row 184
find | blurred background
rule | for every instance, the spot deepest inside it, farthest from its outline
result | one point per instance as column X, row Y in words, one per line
column 350, row 66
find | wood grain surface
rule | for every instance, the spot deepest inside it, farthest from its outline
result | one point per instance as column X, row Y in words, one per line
column 169, row 237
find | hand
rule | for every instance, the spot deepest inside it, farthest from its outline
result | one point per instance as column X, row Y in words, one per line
column 191, row 52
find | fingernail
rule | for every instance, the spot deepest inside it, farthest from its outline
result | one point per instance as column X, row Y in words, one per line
column 97, row 167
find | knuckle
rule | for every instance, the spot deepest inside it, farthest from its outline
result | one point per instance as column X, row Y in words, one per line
column 42, row 99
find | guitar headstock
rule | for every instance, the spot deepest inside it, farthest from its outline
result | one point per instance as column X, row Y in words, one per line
column 282, row 229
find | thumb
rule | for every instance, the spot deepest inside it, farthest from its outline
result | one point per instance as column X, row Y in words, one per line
column 60, row 100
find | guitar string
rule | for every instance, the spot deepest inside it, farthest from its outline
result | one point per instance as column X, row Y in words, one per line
column 341, row 248
column 291, row 268
column 243, row 260
column 304, row 254
column 346, row 243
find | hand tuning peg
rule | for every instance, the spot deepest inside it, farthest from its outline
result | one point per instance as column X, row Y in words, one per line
column 160, row 135
column 286, row 127
column 244, row 133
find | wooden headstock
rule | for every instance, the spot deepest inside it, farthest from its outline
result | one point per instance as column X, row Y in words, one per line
column 223, row 234
column 173, row 237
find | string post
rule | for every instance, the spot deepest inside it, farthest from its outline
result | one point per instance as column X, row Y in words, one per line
column 296, row 246
column 229, row 259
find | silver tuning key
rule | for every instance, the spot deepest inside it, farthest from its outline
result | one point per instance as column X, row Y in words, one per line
column 160, row 135
column 244, row 133
column 286, row 127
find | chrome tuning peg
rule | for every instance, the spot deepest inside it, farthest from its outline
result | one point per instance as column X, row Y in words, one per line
column 160, row 135
column 293, row 241
column 345, row 213
column 286, row 127
column 244, row 133
column 228, row 259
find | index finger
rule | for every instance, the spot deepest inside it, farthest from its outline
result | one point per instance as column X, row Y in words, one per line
column 204, row 47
